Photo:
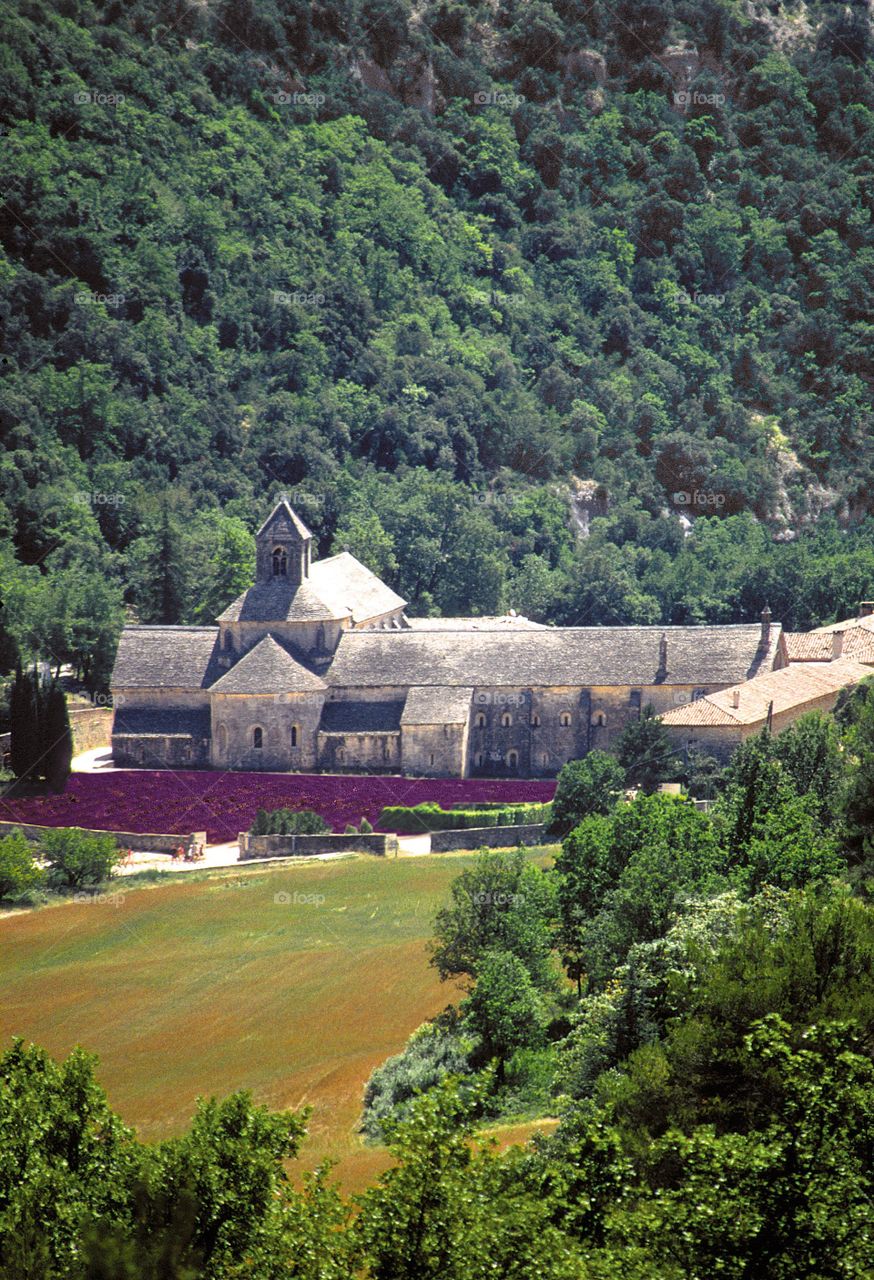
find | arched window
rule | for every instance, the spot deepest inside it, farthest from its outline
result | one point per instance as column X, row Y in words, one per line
column 280, row 562
column 512, row 759
column 432, row 757
column 257, row 739
column 506, row 720
column 229, row 640
column 222, row 738
column 544, row 759
column 535, row 722
column 565, row 719
column 294, row 735
column 480, row 720
column 599, row 719
column 478, row 760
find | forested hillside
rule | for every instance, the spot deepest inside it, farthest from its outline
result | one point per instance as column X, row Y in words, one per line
column 500, row 292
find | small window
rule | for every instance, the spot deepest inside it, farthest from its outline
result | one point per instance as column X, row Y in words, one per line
column 280, row 563
column 506, row 720
column 432, row 758
column 294, row 735
column 634, row 698
column 229, row 640
column 478, row 760
column 565, row 719
column 599, row 719
column 480, row 721
column 698, row 694
column 257, row 739
column 513, row 759
column 535, row 722
column 544, row 759
column 222, row 738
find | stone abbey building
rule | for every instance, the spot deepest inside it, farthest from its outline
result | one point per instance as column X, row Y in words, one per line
column 317, row 667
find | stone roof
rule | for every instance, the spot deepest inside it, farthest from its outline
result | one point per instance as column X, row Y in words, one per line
column 437, row 704
column 349, row 586
column 361, row 717
column 174, row 722
column 280, row 601
column 819, row 646
column 166, row 658
column 789, row 688
column 508, row 622
column 268, row 668
column 284, row 521
column 552, row 656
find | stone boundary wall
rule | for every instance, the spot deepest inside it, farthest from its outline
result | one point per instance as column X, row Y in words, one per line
column 300, row 846
column 91, row 727
column 151, row 842
column 490, row 837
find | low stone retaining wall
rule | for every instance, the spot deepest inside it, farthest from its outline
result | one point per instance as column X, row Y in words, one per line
column 300, row 846
column 152, row 842
column 490, row 837
column 91, row 727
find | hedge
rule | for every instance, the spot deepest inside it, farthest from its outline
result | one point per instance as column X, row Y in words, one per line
column 430, row 817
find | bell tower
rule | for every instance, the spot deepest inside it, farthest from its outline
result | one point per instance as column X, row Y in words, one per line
column 284, row 548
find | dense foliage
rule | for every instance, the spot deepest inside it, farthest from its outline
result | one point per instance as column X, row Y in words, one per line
column 438, row 270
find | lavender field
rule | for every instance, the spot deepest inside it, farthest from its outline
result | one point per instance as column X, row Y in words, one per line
column 224, row 804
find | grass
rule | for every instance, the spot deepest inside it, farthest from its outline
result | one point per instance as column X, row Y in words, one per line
column 207, row 985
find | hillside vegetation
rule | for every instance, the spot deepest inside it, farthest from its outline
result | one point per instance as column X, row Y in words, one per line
column 438, row 270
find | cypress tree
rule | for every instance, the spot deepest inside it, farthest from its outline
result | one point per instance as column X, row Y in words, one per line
column 57, row 738
column 25, row 743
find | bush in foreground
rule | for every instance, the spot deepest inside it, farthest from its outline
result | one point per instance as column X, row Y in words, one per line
column 20, row 877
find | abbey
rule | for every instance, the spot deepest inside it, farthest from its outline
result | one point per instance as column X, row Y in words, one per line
column 317, row 667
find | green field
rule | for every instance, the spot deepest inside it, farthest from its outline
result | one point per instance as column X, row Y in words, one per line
column 208, row 985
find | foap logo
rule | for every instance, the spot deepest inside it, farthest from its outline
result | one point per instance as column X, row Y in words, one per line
column 491, row 98
column 99, row 299
column 695, row 299
column 489, row 898
column 690, row 98
column 285, row 899
column 501, row 699
column 297, row 99
column 697, row 498
column 106, row 700
column 87, row 498
column 298, row 298
column 97, row 98
column 99, row 899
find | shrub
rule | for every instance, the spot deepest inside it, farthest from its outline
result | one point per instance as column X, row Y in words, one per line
column 20, row 877
column 288, row 822
column 364, row 828
column 78, row 860
column 434, row 1050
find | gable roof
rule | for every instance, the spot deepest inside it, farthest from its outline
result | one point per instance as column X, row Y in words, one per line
column 268, row 668
column 552, row 656
column 865, row 620
column 284, row 522
column 348, row 585
column 166, row 658
column 818, row 646
column 790, row 687
column 436, row 704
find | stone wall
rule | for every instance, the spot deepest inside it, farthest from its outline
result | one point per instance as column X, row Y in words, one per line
column 378, row 752
column 302, row 846
column 91, row 728
column 159, row 751
column 236, row 716
column 488, row 837
column 151, row 842
column 434, row 750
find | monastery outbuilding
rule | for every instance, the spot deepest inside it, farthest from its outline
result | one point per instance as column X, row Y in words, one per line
column 317, row 667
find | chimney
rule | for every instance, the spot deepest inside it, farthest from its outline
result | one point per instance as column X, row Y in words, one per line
column 837, row 644
column 735, row 698
column 766, row 627
column 663, row 654
column 866, row 608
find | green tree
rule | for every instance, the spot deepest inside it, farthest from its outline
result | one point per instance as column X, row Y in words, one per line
column 57, row 739
column 646, row 753
column 591, row 785
column 77, row 860
column 19, row 873
column 505, row 1008
column 24, row 714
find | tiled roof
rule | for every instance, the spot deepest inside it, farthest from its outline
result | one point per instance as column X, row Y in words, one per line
column 552, row 656
column 268, row 668
column 280, row 601
column 791, row 687
column 436, row 704
column 350, row 587
column 867, row 622
column 818, row 646
column 166, row 658
column 508, row 622
column 166, row 721
column 283, row 520
column 361, row 717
